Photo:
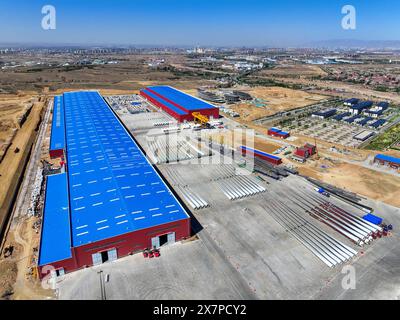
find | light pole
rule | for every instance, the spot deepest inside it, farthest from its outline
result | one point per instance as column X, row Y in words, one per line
column 102, row 285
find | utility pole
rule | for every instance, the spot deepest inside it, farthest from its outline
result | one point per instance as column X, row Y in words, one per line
column 316, row 149
column 102, row 285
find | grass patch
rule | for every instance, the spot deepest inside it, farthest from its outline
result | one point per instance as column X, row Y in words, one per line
column 386, row 139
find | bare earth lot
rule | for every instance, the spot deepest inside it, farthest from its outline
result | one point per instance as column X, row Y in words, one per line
column 372, row 184
column 300, row 71
column 277, row 99
column 12, row 107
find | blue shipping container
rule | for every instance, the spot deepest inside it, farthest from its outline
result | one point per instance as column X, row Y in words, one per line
column 373, row 219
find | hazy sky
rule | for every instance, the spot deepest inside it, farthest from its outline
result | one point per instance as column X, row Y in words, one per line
column 202, row 22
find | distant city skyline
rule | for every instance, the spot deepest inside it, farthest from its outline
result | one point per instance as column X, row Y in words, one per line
column 249, row 23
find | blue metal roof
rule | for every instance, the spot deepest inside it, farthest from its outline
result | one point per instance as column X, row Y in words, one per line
column 186, row 101
column 275, row 129
column 55, row 244
column 387, row 158
column 164, row 102
column 341, row 116
column 378, row 123
column 352, row 100
column 113, row 188
column 364, row 121
column 260, row 152
column 378, row 112
column 362, row 105
column 384, row 105
column 57, row 138
column 327, row 113
column 352, row 119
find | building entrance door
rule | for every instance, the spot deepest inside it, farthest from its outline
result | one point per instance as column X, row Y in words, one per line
column 162, row 240
column 104, row 256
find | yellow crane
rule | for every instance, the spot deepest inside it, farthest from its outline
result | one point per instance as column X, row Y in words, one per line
column 198, row 117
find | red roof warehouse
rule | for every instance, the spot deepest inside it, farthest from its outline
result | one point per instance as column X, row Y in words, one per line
column 178, row 104
column 307, row 151
column 278, row 133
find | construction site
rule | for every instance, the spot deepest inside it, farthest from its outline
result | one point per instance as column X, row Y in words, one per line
column 137, row 188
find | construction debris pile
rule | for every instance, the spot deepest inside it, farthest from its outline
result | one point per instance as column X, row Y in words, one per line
column 35, row 196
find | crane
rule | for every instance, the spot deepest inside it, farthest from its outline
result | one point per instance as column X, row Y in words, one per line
column 198, row 117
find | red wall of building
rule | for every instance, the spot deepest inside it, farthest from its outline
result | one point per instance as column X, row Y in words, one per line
column 304, row 153
column 56, row 153
column 270, row 160
column 172, row 113
column 278, row 134
column 387, row 163
column 311, row 149
column 213, row 112
column 125, row 244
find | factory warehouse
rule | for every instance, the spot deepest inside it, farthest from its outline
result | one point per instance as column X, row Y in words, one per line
column 110, row 202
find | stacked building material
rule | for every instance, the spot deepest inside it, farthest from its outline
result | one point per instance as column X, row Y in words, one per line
column 192, row 198
column 166, row 149
column 356, row 229
column 325, row 247
column 236, row 186
column 266, row 168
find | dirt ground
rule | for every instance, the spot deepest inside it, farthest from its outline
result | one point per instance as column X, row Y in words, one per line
column 12, row 158
column 14, row 161
column 341, row 88
column 8, row 274
column 298, row 70
column 12, row 108
column 19, row 277
column 226, row 137
column 277, row 99
column 372, row 184
column 130, row 74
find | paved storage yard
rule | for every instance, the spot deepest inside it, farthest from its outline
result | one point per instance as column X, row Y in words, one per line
column 242, row 253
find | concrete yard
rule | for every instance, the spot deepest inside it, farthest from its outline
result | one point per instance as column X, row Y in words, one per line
column 193, row 270
column 243, row 253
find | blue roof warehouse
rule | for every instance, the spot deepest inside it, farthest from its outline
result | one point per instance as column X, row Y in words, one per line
column 111, row 201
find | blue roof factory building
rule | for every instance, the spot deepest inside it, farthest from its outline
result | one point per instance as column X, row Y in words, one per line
column 110, row 202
